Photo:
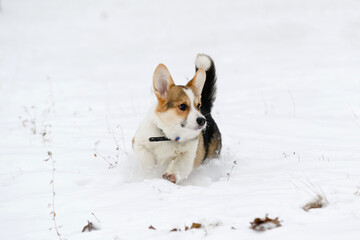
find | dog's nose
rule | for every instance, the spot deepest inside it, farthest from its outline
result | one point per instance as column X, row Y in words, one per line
column 201, row 121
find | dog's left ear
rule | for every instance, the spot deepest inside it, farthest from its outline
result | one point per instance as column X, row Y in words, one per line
column 162, row 81
column 198, row 81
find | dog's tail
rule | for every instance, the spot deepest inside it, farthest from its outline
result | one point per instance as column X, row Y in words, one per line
column 208, row 94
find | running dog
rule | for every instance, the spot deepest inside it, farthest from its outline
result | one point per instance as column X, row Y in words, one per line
column 179, row 132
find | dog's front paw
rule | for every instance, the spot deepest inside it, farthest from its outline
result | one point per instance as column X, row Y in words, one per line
column 171, row 177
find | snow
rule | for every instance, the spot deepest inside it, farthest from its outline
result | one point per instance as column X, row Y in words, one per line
column 288, row 107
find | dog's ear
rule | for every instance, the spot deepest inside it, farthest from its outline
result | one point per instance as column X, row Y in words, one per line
column 198, row 81
column 162, row 81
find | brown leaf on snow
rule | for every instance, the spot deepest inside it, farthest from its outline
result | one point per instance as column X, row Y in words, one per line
column 195, row 225
column 264, row 224
column 151, row 227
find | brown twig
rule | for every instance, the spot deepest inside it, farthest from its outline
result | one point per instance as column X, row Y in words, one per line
column 229, row 173
column 96, row 217
column 109, row 159
column 90, row 226
column 53, row 195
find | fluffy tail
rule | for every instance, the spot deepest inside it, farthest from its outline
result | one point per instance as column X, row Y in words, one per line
column 208, row 94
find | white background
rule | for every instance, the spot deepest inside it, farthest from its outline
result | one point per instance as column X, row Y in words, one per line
column 288, row 107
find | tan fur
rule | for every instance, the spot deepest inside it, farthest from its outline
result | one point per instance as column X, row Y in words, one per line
column 214, row 146
column 174, row 98
column 200, row 152
column 213, row 151
column 168, row 108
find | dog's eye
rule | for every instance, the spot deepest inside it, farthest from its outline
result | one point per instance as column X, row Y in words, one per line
column 183, row 107
column 198, row 106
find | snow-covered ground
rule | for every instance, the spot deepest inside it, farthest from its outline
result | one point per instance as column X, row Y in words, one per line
column 78, row 74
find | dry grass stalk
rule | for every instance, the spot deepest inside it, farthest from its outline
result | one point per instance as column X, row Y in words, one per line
column 229, row 173
column 318, row 202
column 89, row 227
column 53, row 213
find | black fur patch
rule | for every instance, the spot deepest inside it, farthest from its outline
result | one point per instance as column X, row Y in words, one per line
column 211, row 133
column 208, row 93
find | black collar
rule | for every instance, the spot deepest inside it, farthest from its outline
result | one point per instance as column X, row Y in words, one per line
column 161, row 139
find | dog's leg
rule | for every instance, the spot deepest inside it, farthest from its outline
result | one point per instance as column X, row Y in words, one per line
column 180, row 167
column 145, row 156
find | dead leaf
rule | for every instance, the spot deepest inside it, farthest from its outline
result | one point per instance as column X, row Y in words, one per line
column 151, row 227
column 195, row 225
column 174, row 230
column 264, row 224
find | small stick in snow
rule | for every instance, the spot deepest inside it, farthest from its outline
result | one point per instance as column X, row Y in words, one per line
column 53, row 194
column 229, row 173
column 96, row 217
column 90, row 226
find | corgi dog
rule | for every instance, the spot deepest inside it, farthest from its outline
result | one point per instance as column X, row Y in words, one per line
column 179, row 132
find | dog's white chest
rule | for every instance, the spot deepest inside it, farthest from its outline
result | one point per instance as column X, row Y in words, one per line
column 167, row 151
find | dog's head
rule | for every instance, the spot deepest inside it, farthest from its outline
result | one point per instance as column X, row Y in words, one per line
column 178, row 107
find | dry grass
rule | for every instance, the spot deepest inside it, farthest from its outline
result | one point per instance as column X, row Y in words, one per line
column 52, row 182
column 319, row 201
column 229, row 173
column 111, row 159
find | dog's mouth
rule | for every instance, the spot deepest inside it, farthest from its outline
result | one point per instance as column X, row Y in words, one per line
column 200, row 127
column 194, row 128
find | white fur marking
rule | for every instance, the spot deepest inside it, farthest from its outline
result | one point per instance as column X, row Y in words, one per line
column 193, row 114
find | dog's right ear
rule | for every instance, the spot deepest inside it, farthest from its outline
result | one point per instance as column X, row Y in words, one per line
column 162, row 81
